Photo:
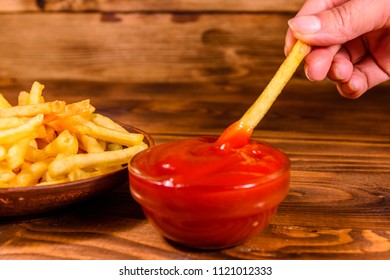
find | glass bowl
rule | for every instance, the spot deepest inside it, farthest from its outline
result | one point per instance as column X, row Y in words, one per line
column 208, row 216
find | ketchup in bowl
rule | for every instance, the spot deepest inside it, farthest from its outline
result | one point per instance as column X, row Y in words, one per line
column 204, row 194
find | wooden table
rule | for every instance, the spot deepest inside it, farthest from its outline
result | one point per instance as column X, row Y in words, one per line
column 339, row 202
column 177, row 85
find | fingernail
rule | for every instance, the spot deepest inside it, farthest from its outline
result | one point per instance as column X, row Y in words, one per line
column 353, row 84
column 305, row 25
column 346, row 91
column 306, row 70
column 287, row 48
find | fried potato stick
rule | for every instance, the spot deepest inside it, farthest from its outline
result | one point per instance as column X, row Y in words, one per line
column 66, row 143
column 36, row 93
column 30, row 174
column 4, row 102
column 80, row 125
column 13, row 135
column 67, row 164
column 11, row 122
column 106, row 122
column 33, row 109
column 16, row 153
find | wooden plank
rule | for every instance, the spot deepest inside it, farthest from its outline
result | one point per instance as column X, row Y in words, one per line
column 338, row 206
column 126, row 238
column 151, row 5
column 151, row 48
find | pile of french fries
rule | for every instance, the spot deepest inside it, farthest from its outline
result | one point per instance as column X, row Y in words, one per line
column 54, row 142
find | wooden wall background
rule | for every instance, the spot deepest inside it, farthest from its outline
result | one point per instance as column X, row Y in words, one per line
column 142, row 41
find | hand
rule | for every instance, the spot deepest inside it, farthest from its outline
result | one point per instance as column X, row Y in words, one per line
column 350, row 39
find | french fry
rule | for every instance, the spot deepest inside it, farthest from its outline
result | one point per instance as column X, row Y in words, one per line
column 80, row 174
column 82, row 108
column 30, row 174
column 103, row 144
column 33, row 154
column 66, row 143
column 6, row 174
column 106, row 122
column 107, row 134
column 53, row 181
column 80, row 125
column 3, row 153
column 105, row 169
column 4, row 102
column 33, row 109
column 65, row 165
column 49, row 136
column 263, row 103
column 90, row 144
column 41, row 131
column 53, row 142
column 33, row 143
column 12, row 135
column 11, row 122
column 114, row 147
column 16, row 153
column 36, row 93
column 49, row 179
column 23, row 98
column 68, row 123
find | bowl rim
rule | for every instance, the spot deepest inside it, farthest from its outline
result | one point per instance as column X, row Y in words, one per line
column 258, row 182
column 70, row 184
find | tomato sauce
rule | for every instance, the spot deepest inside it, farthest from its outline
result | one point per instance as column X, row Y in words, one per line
column 200, row 161
column 207, row 193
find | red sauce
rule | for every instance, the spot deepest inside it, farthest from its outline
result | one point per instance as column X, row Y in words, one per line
column 200, row 161
column 205, row 193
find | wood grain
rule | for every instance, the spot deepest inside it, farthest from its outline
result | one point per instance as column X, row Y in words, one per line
column 338, row 206
column 141, row 48
column 151, row 5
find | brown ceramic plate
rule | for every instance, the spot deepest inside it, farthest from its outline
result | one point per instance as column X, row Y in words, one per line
column 18, row 201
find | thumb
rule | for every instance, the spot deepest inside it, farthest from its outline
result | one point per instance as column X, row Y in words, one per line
column 341, row 24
